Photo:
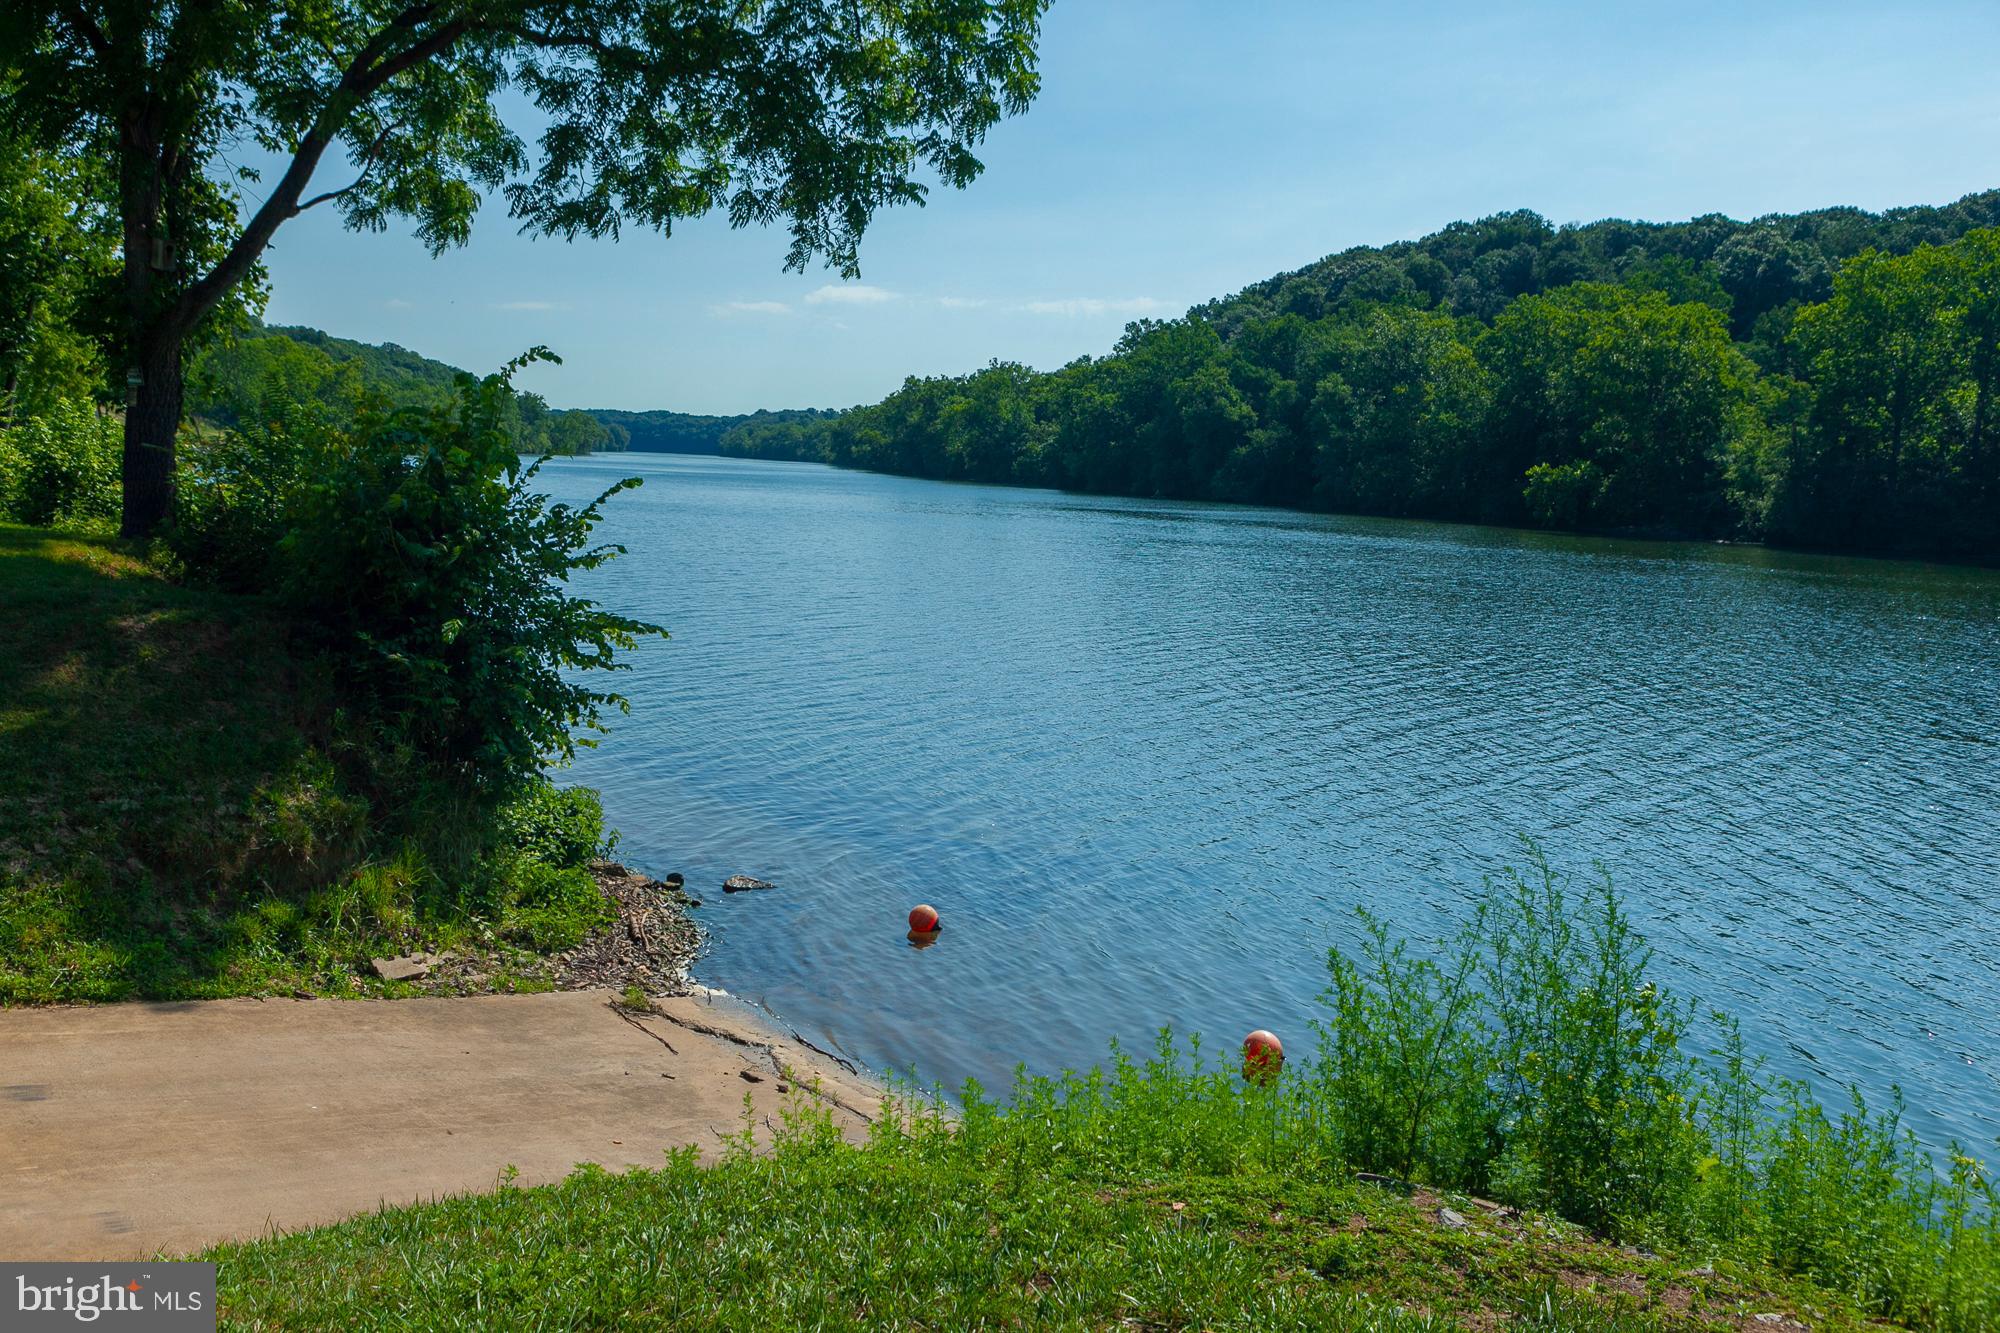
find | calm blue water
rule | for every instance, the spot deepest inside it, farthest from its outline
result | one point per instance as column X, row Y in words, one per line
column 1146, row 757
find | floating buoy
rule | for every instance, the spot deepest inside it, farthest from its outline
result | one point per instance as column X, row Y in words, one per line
column 923, row 919
column 1263, row 1057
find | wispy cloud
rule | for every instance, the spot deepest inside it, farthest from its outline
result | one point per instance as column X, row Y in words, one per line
column 398, row 303
column 728, row 308
column 851, row 293
column 1091, row 305
column 961, row 302
column 527, row 305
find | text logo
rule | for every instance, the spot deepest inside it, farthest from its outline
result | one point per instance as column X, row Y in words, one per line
column 162, row 1297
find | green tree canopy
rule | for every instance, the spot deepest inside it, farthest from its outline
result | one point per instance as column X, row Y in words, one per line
column 809, row 113
column 1616, row 405
column 1903, row 439
column 57, row 254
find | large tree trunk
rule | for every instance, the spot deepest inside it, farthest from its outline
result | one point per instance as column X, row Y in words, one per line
column 152, row 419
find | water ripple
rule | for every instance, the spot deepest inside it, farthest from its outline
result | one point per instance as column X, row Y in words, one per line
column 1146, row 757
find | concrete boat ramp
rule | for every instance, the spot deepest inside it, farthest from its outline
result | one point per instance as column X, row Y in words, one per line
column 132, row 1130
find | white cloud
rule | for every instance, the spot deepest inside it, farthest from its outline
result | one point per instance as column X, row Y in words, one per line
column 728, row 308
column 853, row 293
column 1091, row 305
column 398, row 303
column 961, row 302
column 527, row 305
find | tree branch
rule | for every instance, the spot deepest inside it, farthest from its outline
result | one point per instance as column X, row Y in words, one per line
column 86, row 28
column 367, row 73
column 583, row 41
column 329, row 195
column 365, row 159
column 406, row 21
column 415, row 55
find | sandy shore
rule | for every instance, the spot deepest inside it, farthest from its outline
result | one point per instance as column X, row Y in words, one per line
column 132, row 1129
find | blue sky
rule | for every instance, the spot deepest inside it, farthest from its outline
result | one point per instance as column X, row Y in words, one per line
column 1182, row 150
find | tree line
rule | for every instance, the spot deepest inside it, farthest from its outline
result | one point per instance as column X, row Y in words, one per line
column 1822, row 380
column 691, row 433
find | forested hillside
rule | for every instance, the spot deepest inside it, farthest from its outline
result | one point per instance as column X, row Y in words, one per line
column 686, row 433
column 1823, row 379
column 267, row 370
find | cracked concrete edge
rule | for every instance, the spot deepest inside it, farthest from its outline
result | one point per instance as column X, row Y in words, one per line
column 716, row 1014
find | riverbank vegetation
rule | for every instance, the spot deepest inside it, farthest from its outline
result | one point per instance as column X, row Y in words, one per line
column 1519, row 1130
column 689, row 433
column 1826, row 380
column 322, row 737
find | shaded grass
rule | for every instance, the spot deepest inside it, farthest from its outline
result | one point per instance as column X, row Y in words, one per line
column 174, row 818
column 993, row 1225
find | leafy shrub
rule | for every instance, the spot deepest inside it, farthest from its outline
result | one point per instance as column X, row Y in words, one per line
column 1536, row 1062
column 1561, row 495
column 1404, row 1071
column 558, row 826
column 238, row 494
column 435, row 574
column 1593, row 1090
column 62, row 467
column 1533, row 1059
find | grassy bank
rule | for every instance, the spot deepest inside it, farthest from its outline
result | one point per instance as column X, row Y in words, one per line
column 1172, row 1202
column 1527, row 1071
column 179, row 819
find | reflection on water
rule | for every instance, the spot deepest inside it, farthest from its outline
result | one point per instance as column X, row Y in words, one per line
column 1145, row 758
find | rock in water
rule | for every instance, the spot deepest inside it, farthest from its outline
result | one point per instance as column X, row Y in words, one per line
column 744, row 884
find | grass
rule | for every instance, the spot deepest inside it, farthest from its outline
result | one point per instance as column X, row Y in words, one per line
column 173, row 818
column 1014, row 1219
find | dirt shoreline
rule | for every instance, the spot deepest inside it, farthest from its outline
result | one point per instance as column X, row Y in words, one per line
column 129, row 1130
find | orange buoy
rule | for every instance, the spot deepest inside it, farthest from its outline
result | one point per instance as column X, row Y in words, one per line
column 923, row 919
column 1263, row 1056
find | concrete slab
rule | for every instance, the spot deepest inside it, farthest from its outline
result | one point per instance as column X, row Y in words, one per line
column 136, row 1129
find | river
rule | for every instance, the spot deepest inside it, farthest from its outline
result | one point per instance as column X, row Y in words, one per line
column 1146, row 757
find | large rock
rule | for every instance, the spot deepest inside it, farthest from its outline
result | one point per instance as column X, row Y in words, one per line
column 410, row 967
column 744, row 884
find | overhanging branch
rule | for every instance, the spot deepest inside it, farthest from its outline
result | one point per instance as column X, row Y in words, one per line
column 367, row 73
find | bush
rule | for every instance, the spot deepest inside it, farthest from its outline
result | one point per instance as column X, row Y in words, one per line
column 558, row 826
column 434, row 574
column 1561, row 495
column 1538, row 1063
column 1405, row 1071
column 549, row 908
column 1593, row 1090
column 238, row 494
column 62, row 467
